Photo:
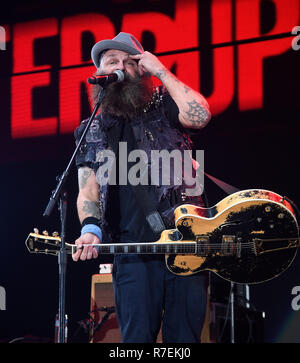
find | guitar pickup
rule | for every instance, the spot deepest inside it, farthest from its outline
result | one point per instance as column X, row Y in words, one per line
column 203, row 246
column 229, row 246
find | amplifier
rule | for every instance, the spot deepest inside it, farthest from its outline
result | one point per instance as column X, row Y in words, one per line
column 105, row 328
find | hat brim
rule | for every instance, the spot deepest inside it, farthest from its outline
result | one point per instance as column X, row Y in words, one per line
column 99, row 47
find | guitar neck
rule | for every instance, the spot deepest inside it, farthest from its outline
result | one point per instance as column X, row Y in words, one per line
column 143, row 248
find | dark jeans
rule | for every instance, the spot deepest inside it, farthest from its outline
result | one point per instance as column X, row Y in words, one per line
column 147, row 293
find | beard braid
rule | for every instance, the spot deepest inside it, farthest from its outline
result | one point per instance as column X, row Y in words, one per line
column 125, row 99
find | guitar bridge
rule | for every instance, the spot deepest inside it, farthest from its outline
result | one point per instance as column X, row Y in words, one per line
column 262, row 246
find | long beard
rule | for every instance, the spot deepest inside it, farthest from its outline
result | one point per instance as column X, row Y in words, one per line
column 125, row 99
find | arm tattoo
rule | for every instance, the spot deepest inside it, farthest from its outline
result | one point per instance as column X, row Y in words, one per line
column 186, row 89
column 91, row 208
column 83, row 175
column 197, row 114
column 160, row 74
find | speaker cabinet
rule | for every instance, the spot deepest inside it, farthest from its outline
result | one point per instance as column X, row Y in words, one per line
column 105, row 328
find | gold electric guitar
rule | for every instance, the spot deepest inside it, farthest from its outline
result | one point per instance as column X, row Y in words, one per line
column 249, row 237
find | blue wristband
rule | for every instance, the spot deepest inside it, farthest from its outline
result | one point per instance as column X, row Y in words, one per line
column 92, row 228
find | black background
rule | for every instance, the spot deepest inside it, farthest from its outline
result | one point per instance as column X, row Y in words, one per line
column 253, row 149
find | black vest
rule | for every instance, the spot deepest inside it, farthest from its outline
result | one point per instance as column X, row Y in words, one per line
column 153, row 133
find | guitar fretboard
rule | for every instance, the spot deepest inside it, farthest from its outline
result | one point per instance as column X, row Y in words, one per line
column 149, row 248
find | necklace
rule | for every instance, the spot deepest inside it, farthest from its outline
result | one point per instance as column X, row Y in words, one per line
column 155, row 100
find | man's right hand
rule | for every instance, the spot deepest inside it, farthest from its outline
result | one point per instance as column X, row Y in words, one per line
column 86, row 252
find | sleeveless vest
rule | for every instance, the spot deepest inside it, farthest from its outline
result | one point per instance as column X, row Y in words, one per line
column 152, row 131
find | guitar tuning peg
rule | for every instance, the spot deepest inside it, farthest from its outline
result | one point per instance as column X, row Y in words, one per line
column 45, row 233
column 35, row 230
column 55, row 234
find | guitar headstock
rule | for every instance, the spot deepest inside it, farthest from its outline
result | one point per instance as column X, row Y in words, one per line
column 43, row 243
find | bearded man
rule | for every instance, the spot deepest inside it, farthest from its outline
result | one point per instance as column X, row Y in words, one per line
column 146, row 118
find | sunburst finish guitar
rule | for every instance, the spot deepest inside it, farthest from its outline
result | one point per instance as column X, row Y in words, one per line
column 249, row 237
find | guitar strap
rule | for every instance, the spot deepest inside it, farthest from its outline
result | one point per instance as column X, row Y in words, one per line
column 143, row 197
column 227, row 188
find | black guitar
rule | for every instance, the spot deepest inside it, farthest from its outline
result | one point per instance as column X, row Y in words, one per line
column 249, row 237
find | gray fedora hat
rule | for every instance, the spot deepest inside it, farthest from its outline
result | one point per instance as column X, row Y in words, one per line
column 123, row 41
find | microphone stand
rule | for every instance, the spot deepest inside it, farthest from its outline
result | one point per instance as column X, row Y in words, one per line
column 59, row 193
column 232, row 302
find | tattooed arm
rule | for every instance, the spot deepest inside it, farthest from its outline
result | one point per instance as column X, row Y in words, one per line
column 87, row 206
column 193, row 108
column 87, row 201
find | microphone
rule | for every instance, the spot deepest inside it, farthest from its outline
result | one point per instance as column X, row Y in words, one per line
column 104, row 80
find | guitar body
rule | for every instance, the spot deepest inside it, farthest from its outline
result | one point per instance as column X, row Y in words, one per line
column 245, row 238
